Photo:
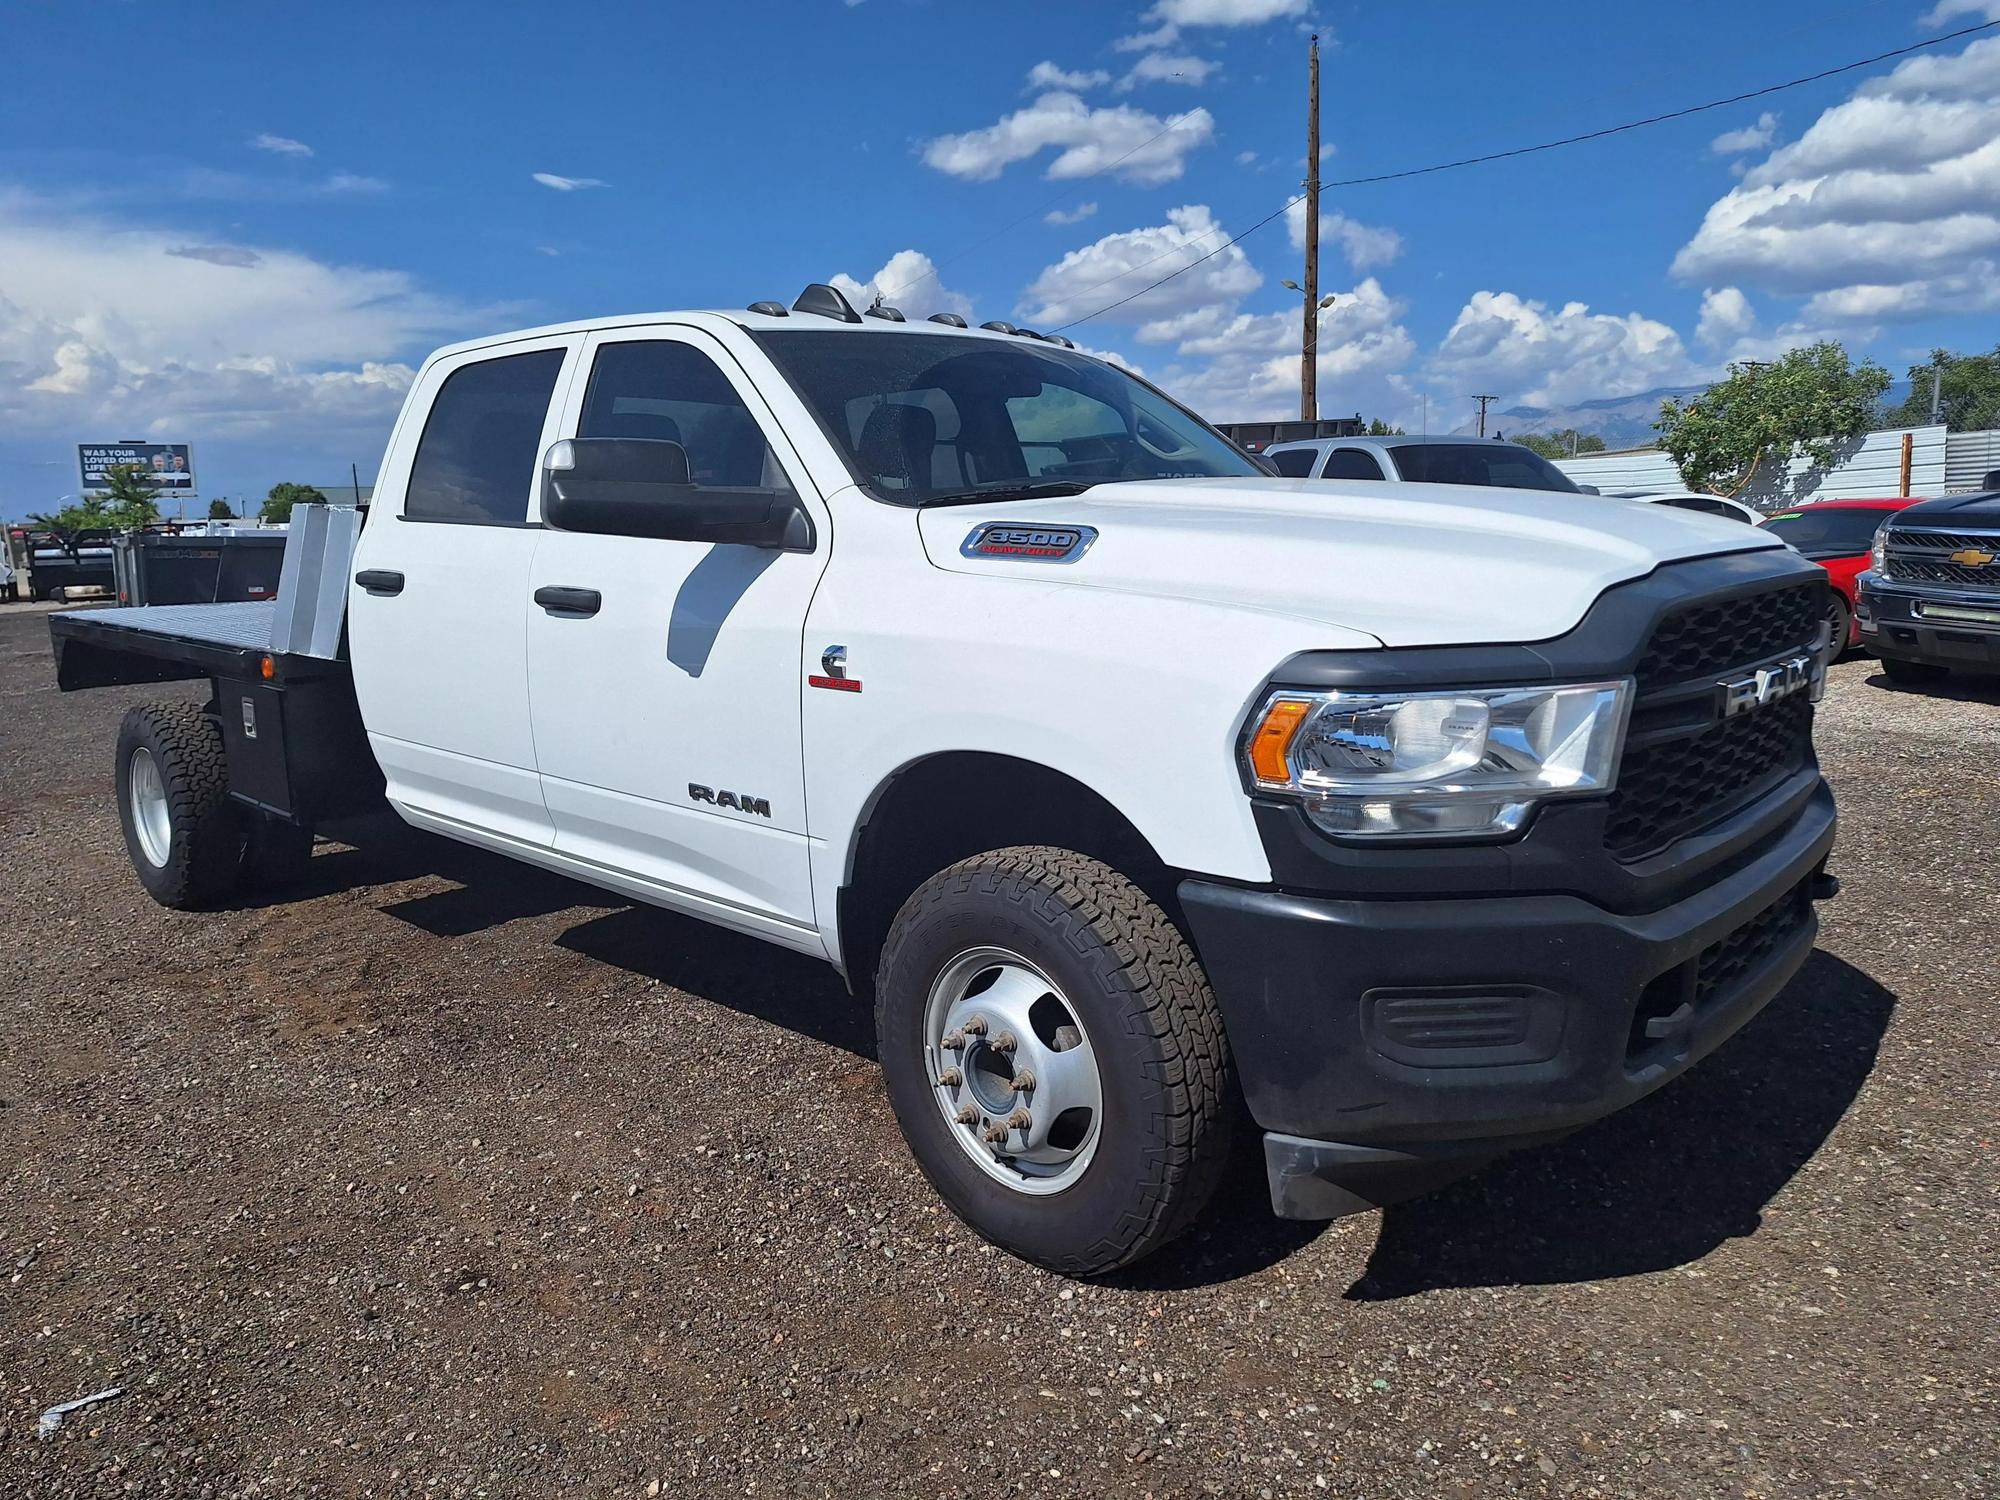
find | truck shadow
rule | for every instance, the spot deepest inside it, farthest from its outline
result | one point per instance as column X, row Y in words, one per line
column 1660, row 1184
column 1960, row 687
column 1656, row 1186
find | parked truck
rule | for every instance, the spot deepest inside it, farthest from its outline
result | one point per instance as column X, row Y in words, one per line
column 1145, row 795
column 1929, row 602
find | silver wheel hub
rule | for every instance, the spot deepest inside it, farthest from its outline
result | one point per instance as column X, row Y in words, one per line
column 152, row 819
column 1013, row 1071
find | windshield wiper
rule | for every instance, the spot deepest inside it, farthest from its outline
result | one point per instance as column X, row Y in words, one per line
column 1031, row 490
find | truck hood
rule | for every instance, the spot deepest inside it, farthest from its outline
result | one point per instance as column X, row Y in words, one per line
column 1410, row 564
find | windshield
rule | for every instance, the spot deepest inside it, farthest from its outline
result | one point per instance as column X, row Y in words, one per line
column 920, row 417
column 1830, row 533
column 1505, row 465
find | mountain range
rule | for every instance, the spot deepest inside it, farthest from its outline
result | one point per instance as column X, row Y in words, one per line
column 1622, row 421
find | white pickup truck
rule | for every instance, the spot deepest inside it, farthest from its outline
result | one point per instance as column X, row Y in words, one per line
column 1144, row 793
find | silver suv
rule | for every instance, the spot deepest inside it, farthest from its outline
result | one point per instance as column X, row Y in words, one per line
column 1442, row 459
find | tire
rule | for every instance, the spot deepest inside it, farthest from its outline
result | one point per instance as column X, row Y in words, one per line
column 1842, row 620
column 1912, row 673
column 193, row 856
column 1160, row 1136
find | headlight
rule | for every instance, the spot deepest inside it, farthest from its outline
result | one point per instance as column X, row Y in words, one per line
column 1878, row 550
column 1412, row 765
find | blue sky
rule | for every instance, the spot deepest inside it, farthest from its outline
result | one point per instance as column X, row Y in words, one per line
column 243, row 226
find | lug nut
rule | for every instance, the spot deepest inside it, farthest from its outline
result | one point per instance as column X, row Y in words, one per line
column 950, row 1078
column 967, row 1115
column 1020, row 1119
column 954, row 1041
column 975, row 1027
column 996, row 1135
column 1022, row 1081
column 1005, row 1042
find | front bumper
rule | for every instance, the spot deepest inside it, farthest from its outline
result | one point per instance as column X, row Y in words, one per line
column 1384, row 1045
column 1904, row 622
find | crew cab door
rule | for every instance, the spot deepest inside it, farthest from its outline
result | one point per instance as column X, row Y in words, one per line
column 437, row 613
column 665, row 675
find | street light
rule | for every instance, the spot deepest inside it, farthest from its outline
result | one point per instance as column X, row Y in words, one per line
column 1325, row 302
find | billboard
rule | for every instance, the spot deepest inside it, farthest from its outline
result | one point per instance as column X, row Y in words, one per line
column 164, row 466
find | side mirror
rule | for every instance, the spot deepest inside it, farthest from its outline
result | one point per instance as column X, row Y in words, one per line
column 642, row 487
column 1992, row 480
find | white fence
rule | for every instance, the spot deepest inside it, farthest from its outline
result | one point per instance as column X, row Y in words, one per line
column 1867, row 467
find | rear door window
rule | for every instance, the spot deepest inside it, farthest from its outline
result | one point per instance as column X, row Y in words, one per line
column 1350, row 463
column 1294, row 463
column 475, row 464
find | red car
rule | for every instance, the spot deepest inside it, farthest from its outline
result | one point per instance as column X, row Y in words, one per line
column 1836, row 534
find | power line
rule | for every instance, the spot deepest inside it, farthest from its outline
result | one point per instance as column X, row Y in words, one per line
column 1492, row 156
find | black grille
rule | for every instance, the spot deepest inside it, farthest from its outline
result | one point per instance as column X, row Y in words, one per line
column 1677, row 999
column 1724, row 964
column 1710, row 638
column 1677, row 787
column 1926, row 557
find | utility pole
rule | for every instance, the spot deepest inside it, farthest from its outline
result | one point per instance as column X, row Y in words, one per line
column 1937, row 389
column 1309, row 348
column 1484, row 402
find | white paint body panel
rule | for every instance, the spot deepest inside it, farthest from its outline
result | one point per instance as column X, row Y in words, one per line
column 570, row 742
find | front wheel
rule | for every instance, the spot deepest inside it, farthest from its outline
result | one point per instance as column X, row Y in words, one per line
column 1055, row 1057
column 1840, row 628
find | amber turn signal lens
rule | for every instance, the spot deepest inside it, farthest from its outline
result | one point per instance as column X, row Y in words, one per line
column 1273, row 739
column 268, row 667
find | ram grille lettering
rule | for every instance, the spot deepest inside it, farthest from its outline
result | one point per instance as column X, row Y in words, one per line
column 1766, row 685
column 734, row 801
column 1055, row 544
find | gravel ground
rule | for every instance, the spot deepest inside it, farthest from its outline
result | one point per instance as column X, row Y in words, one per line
column 451, row 1178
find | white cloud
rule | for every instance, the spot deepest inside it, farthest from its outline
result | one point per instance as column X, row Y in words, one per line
column 1119, row 265
column 1245, row 366
column 1167, row 67
column 1884, row 207
column 1748, row 138
column 1222, row 12
column 1726, row 316
column 1046, row 75
column 1069, row 215
column 1246, row 158
column 1364, row 245
column 353, row 182
column 1950, row 10
column 107, row 326
column 283, row 145
column 1145, row 41
column 1136, row 145
column 1525, row 351
column 908, row 280
column 567, row 184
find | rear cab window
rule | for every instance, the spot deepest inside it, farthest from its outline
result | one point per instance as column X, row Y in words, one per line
column 475, row 464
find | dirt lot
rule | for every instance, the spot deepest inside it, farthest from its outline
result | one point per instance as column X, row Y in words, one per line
column 451, row 1178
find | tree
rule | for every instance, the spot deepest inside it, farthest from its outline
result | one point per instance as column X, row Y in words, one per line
column 1804, row 404
column 87, row 514
column 218, row 510
column 1379, row 428
column 1565, row 444
column 1968, row 392
column 277, row 508
column 127, row 498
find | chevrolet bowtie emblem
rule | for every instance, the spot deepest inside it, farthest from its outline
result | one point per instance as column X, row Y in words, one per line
column 1972, row 557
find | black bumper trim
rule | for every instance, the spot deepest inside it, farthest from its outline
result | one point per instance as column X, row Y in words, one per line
column 1293, row 975
column 1893, row 624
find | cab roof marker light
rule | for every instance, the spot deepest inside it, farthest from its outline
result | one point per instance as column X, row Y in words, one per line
column 996, row 326
column 769, row 309
column 886, row 314
column 950, row 320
